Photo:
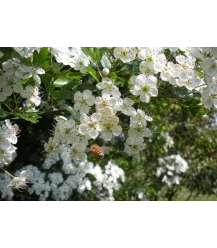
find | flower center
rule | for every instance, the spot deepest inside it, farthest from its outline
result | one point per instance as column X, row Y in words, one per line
column 67, row 130
column 91, row 125
column 108, row 126
column 145, row 88
column 2, row 152
column 80, row 63
column 104, row 103
column 124, row 53
column 213, row 65
column 74, row 151
column 150, row 59
column 135, row 147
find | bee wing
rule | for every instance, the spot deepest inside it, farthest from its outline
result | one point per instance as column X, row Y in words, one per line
column 88, row 149
column 106, row 149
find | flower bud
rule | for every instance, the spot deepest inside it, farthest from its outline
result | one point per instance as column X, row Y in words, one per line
column 105, row 71
column 205, row 118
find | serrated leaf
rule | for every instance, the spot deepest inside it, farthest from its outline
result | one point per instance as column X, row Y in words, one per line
column 32, row 117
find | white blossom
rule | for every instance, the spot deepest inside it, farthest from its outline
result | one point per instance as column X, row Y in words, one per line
column 145, row 87
column 83, row 101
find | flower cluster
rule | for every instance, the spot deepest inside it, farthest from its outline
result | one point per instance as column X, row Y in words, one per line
column 12, row 77
column 8, row 138
column 73, row 57
column 61, row 186
column 137, row 131
column 170, row 169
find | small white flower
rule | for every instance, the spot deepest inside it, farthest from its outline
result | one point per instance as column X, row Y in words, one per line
column 108, row 87
column 89, row 125
column 104, row 102
column 139, row 130
column 185, row 68
column 108, row 125
column 210, row 66
column 19, row 182
column 209, row 96
column 191, row 83
column 140, row 117
column 145, row 87
column 126, row 54
column 83, row 101
column 77, row 151
column 134, row 145
column 125, row 106
column 146, row 68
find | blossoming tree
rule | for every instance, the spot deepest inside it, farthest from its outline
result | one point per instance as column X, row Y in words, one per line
column 149, row 110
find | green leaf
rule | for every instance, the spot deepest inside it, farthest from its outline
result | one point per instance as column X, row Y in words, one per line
column 61, row 81
column 42, row 56
column 66, row 77
column 28, row 116
column 92, row 72
column 90, row 87
column 35, row 57
column 194, row 110
column 94, row 54
column 56, row 68
column 66, row 92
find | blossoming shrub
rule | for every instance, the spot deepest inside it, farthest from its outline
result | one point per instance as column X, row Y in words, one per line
column 138, row 105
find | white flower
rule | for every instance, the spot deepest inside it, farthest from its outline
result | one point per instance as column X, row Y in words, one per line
column 81, row 63
column 191, row 83
column 64, row 130
column 108, row 125
column 210, row 66
column 77, row 151
column 134, row 145
column 149, row 53
column 32, row 95
column 145, row 87
column 146, row 68
column 139, row 130
column 19, row 182
column 185, row 71
column 171, row 167
column 126, row 54
column 8, row 85
column 104, row 102
column 108, row 87
column 140, row 117
column 83, row 101
column 51, row 147
column 209, row 96
column 160, row 62
column 125, row 106
column 89, row 125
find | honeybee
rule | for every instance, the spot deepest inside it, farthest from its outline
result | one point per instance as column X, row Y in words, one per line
column 97, row 151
